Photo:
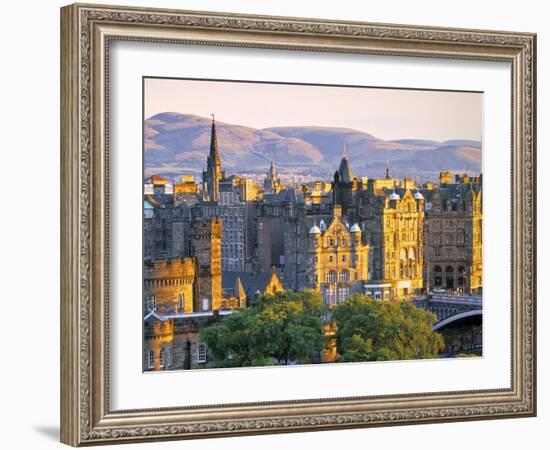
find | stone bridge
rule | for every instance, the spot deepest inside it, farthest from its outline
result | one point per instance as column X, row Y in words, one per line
column 459, row 320
column 445, row 306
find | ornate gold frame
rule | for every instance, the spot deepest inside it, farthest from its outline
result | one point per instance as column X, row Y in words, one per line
column 86, row 31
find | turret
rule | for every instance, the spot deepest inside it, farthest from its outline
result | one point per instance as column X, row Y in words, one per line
column 356, row 234
column 394, row 199
column 419, row 201
column 314, row 236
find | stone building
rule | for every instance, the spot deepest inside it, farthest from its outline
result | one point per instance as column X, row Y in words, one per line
column 394, row 224
column 453, row 234
column 233, row 213
column 206, row 237
column 169, row 285
column 297, row 225
column 172, row 342
column 337, row 262
column 163, row 231
column 270, row 219
column 391, row 219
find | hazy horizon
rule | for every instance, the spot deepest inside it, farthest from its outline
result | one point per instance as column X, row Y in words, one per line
column 386, row 113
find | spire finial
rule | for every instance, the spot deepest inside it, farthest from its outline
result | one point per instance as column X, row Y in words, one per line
column 213, row 118
column 345, row 152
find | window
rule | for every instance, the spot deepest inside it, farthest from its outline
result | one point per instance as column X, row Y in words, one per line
column 343, row 258
column 344, row 276
column 161, row 357
column 151, row 359
column 181, row 301
column 331, row 277
column 168, row 357
column 331, row 242
column 201, row 357
column 330, row 259
column 330, row 296
column 151, row 303
column 343, row 294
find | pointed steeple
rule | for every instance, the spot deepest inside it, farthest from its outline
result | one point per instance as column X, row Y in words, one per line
column 388, row 176
column 213, row 173
column 272, row 182
column 213, row 155
column 239, row 289
column 344, row 171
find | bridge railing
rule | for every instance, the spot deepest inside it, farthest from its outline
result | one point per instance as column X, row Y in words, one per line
column 471, row 300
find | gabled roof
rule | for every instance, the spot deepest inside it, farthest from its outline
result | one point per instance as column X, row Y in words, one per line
column 251, row 283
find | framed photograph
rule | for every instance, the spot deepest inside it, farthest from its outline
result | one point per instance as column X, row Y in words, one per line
column 276, row 224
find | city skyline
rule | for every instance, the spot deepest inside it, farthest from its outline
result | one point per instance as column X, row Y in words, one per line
column 240, row 271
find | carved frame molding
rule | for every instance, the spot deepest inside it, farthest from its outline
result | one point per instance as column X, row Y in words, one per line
column 86, row 32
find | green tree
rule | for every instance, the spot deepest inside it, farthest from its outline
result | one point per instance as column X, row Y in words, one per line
column 278, row 329
column 371, row 330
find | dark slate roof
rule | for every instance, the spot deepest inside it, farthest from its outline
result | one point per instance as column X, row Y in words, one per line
column 286, row 195
column 346, row 175
column 251, row 283
column 451, row 191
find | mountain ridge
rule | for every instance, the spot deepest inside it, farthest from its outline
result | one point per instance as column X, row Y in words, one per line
column 176, row 143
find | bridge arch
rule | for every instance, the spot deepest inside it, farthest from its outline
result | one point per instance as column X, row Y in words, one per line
column 456, row 317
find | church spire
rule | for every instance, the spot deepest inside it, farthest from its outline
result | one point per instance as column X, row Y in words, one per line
column 214, row 155
column 388, row 176
column 213, row 173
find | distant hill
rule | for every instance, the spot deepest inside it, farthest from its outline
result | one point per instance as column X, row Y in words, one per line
column 177, row 143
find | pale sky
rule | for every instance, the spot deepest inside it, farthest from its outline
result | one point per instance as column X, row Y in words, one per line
column 386, row 113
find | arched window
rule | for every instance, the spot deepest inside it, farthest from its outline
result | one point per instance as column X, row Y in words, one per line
column 412, row 253
column 461, row 269
column 449, row 269
column 331, row 277
column 437, row 269
column 344, row 276
column 151, row 359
